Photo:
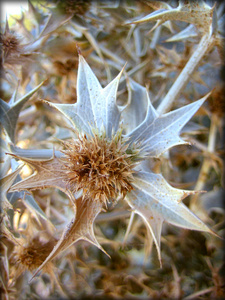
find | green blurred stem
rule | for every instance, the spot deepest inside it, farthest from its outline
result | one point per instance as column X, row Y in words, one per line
column 205, row 44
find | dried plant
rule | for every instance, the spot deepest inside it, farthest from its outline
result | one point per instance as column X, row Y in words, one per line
column 94, row 173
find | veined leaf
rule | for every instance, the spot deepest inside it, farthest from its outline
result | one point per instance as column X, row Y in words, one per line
column 159, row 133
column 156, row 201
column 96, row 106
column 47, row 173
column 135, row 111
column 79, row 228
column 33, row 154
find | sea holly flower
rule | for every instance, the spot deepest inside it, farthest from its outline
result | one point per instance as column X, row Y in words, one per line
column 105, row 164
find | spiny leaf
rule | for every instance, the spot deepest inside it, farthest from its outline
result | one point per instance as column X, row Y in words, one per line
column 28, row 199
column 155, row 201
column 96, row 106
column 47, row 173
column 5, row 184
column 194, row 12
column 159, row 133
column 79, row 228
column 188, row 32
column 33, row 154
column 9, row 114
column 54, row 21
column 35, row 13
column 135, row 111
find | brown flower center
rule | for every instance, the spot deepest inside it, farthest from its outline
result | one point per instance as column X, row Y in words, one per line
column 100, row 167
column 10, row 43
column 78, row 7
column 32, row 255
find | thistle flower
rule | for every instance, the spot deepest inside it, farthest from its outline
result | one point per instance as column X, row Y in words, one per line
column 11, row 45
column 216, row 101
column 73, row 7
column 106, row 164
column 98, row 166
column 28, row 255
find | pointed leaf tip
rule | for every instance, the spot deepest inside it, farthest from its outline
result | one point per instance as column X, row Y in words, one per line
column 156, row 201
column 10, row 114
column 79, row 228
column 160, row 133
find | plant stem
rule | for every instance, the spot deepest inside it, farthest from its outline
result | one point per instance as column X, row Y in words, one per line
column 205, row 43
column 207, row 163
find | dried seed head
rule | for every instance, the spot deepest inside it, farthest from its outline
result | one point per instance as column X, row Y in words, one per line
column 100, row 167
column 10, row 44
column 32, row 255
column 217, row 101
column 66, row 67
column 78, row 7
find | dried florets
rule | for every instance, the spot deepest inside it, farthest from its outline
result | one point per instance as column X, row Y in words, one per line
column 10, row 44
column 78, row 7
column 216, row 101
column 66, row 67
column 32, row 254
column 99, row 166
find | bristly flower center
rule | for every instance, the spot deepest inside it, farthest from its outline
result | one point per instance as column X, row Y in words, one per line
column 10, row 43
column 101, row 167
column 32, row 255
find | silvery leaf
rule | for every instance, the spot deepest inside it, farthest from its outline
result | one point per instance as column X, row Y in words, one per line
column 159, row 133
column 9, row 114
column 40, row 154
column 156, row 201
column 96, row 106
column 136, row 109
column 188, row 32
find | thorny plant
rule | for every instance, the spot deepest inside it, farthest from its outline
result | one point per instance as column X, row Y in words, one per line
column 82, row 163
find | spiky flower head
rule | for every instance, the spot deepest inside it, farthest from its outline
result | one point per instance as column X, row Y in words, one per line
column 28, row 255
column 10, row 44
column 78, row 7
column 100, row 167
column 106, row 164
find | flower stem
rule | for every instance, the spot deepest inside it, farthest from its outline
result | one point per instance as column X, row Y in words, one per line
column 205, row 44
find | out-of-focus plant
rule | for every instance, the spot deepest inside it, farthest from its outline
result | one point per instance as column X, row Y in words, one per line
column 85, row 166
